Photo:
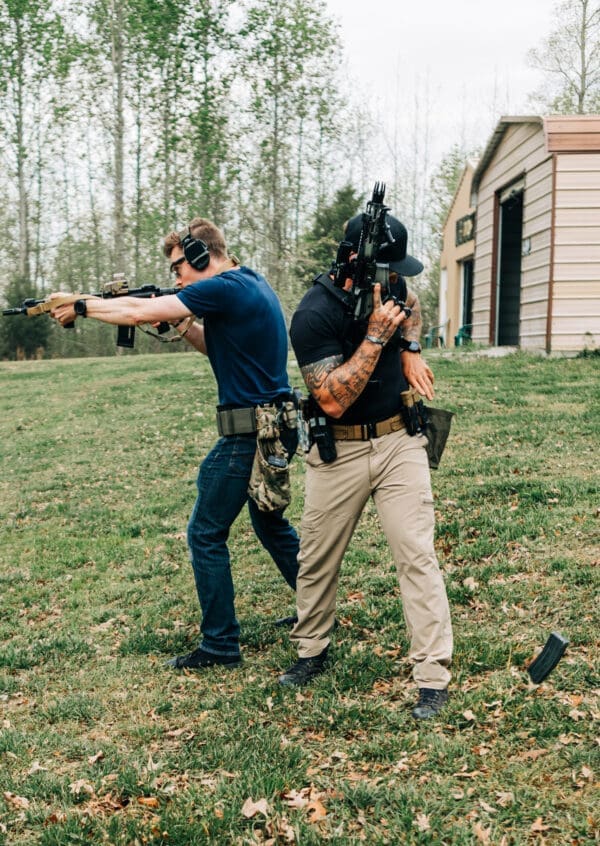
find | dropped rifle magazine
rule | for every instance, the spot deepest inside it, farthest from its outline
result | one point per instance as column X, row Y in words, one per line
column 541, row 667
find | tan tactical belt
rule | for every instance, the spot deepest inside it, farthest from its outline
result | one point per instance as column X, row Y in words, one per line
column 236, row 421
column 366, row 431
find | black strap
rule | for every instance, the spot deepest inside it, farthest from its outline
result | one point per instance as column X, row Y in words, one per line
column 344, row 296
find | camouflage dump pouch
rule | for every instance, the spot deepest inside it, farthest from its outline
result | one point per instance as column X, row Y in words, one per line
column 437, row 431
column 269, row 485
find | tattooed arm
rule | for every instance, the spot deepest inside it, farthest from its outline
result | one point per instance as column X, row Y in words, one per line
column 336, row 384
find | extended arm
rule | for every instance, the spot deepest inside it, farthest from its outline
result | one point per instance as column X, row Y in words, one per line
column 132, row 311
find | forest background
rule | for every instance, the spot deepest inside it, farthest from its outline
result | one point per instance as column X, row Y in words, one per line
column 121, row 119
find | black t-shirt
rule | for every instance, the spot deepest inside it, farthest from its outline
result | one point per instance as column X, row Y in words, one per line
column 321, row 327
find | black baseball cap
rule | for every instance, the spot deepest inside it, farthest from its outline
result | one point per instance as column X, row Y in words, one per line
column 392, row 254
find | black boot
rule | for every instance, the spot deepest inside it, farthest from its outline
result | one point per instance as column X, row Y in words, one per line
column 304, row 670
column 200, row 659
column 430, row 703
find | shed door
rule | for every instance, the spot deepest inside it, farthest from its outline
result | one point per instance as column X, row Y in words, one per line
column 508, row 289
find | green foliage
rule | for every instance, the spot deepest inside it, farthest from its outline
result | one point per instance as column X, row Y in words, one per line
column 289, row 69
column 99, row 742
column 20, row 336
column 319, row 244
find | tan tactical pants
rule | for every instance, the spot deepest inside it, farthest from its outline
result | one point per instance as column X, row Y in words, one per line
column 393, row 470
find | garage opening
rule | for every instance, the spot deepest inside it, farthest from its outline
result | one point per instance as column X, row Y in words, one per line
column 508, row 290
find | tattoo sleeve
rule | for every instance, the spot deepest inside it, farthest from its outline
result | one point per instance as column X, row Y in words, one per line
column 342, row 381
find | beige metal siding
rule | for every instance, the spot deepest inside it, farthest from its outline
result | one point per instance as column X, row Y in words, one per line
column 521, row 151
column 576, row 300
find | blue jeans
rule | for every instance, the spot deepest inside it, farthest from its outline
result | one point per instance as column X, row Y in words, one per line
column 222, row 492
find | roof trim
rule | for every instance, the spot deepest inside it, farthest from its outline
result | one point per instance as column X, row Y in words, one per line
column 493, row 145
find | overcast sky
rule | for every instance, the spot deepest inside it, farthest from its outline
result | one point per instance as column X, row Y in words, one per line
column 468, row 55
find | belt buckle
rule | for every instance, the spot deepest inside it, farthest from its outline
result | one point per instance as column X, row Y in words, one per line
column 368, row 431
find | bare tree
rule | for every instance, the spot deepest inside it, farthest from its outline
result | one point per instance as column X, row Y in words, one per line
column 570, row 59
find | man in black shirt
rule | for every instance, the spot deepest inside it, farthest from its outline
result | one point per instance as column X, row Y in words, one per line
column 356, row 372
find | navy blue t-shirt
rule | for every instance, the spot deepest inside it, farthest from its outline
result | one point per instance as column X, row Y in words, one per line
column 245, row 333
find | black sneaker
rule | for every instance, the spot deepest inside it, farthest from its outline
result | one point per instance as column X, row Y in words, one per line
column 200, row 658
column 304, row 670
column 430, row 702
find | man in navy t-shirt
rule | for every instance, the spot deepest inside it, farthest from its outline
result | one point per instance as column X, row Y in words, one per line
column 243, row 333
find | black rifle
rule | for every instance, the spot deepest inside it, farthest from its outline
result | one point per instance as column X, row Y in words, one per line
column 364, row 269
column 118, row 287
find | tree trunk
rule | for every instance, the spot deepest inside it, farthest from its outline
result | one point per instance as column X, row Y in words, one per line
column 24, row 264
column 119, row 131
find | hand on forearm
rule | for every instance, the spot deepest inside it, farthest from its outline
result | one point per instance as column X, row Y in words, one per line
column 418, row 373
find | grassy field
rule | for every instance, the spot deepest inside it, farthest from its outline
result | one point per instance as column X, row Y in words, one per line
column 99, row 743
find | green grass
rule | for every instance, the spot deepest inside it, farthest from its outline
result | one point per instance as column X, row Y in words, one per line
column 99, row 743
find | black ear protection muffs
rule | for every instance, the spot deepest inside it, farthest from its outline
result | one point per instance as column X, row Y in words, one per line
column 195, row 251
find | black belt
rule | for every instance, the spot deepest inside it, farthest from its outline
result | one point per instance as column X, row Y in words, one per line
column 242, row 421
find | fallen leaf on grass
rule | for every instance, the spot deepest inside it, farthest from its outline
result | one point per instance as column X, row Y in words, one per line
column 422, row 822
column 251, row 809
column 532, row 754
column 178, row 732
column 316, row 811
column 464, row 774
column 56, row 817
column 576, row 715
column 538, row 826
column 93, row 759
column 297, row 798
column 357, row 596
column 148, row 801
column 482, row 834
column 36, row 767
column 469, row 715
column 152, row 766
column 19, row 802
column 81, row 786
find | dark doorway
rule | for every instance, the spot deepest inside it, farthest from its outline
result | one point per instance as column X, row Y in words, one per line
column 467, row 293
column 509, row 275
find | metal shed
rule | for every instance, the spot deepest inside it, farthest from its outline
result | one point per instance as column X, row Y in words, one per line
column 535, row 209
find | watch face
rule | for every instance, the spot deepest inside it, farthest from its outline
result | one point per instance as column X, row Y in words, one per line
column 80, row 307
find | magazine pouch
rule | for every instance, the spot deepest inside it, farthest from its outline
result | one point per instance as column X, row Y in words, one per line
column 269, row 484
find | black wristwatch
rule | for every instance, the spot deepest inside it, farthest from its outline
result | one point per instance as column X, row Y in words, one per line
column 80, row 307
column 410, row 346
